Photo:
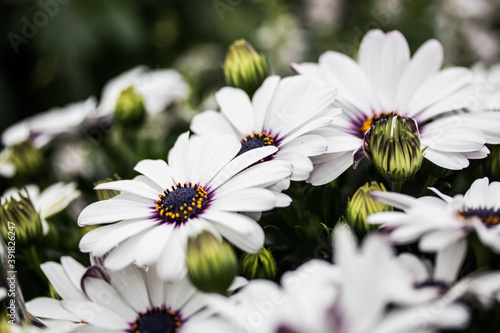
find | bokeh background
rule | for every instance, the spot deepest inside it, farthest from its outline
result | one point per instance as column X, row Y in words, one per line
column 54, row 52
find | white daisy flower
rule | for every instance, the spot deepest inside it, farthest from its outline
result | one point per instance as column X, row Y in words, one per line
column 128, row 300
column 441, row 279
column 284, row 113
column 158, row 88
column 439, row 222
column 48, row 202
column 203, row 187
column 351, row 296
column 385, row 80
column 41, row 128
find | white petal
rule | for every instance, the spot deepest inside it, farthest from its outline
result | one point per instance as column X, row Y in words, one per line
column 240, row 230
column 130, row 282
column 210, row 123
column 152, row 244
column 113, row 210
column 262, row 100
column 249, row 200
column 326, row 172
column 45, row 307
column 449, row 260
column 398, row 200
column 97, row 315
column 73, row 269
column 438, row 240
column 130, row 186
column 424, row 63
column 344, row 73
column 172, row 263
column 239, row 163
column 237, row 107
column 438, row 87
column 156, row 170
column 60, row 281
column 302, row 166
column 309, row 145
column 123, row 255
column 100, row 292
column 451, row 161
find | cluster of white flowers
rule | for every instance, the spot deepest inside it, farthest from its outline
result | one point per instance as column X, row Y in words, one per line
column 238, row 162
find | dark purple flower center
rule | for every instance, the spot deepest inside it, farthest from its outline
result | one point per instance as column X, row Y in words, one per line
column 257, row 140
column 157, row 320
column 442, row 286
column 182, row 202
column 488, row 216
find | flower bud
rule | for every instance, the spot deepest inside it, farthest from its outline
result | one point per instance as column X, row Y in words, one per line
column 211, row 263
column 130, row 109
column 260, row 265
column 393, row 145
column 20, row 219
column 361, row 205
column 244, row 67
column 27, row 159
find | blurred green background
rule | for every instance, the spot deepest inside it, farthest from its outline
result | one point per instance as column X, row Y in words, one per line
column 54, row 52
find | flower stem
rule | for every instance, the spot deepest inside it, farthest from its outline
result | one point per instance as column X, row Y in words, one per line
column 396, row 186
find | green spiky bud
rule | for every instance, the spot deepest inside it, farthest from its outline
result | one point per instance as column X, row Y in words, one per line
column 130, row 109
column 27, row 159
column 21, row 221
column 393, row 145
column 361, row 205
column 212, row 264
column 244, row 67
column 260, row 265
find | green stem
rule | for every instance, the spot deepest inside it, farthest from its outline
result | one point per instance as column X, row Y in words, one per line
column 428, row 183
column 396, row 186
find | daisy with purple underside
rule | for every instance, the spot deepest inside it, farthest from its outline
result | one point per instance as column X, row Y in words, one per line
column 203, row 187
column 438, row 222
column 386, row 80
column 283, row 113
column 128, row 300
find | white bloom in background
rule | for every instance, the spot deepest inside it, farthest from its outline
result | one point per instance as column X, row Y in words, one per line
column 128, row 300
column 301, row 304
column 48, row 202
column 41, row 128
column 385, row 80
column 203, row 187
column 350, row 296
column 439, row 222
column 487, row 90
column 442, row 277
column 158, row 88
column 284, row 113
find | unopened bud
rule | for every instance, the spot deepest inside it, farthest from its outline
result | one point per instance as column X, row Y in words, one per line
column 361, row 205
column 27, row 159
column 130, row 109
column 20, row 218
column 211, row 263
column 244, row 67
column 260, row 265
column 393, row 145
